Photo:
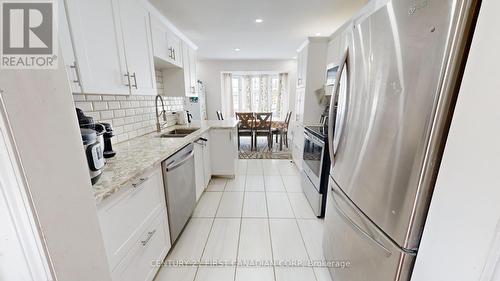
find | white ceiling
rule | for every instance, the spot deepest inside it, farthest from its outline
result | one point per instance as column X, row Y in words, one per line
column 217, row 27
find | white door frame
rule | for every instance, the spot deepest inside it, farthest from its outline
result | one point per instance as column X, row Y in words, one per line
column 23, row 253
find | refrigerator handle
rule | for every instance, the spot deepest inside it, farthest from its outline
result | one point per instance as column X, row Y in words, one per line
column 336, row 192
column 331, row 117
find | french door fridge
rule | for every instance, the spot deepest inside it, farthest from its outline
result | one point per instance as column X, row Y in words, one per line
column 394, row 94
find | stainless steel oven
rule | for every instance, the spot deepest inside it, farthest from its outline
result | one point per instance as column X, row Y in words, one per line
column 316, row 163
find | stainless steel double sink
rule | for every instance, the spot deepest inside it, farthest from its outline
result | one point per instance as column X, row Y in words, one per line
column 178, row 133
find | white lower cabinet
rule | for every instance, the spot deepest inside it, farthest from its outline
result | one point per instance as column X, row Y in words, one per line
column 298, row 144
column 207, row 165
column 203, row 170
column 152, row 247
column 199, row 169
column 135, row 229
column 223, row 151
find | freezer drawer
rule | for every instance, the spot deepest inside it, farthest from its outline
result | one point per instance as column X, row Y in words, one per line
column 350, row 237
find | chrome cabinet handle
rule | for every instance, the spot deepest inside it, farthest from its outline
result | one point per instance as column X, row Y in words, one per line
column 171, row 55
column 139, row 183
column 77, row 73
column 135, row 80
column 128, row 79
column 173, row 51
column 150, row 235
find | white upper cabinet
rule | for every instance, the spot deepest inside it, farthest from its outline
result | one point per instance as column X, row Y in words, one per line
column 302, row 66
column 159, row 36
column 190, row 81
column 111, row 47
column 166, row 45
column 138, row 47
column 68, row 54
column 98, row 46
column 192, row 71
column 174, row 48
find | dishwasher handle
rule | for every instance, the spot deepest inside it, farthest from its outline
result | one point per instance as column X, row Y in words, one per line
column 177, row 164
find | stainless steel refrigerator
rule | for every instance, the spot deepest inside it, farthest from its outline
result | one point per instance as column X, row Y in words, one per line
column 399, row 72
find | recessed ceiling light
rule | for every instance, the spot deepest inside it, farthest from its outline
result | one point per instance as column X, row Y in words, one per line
column 237, row 49
column 318, row 34
column 259, row 20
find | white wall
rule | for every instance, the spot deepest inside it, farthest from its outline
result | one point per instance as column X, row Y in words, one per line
column 465, row 209
column 40, row 108
column 209, row 72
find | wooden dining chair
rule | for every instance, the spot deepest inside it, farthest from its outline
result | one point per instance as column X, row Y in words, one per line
column 246, row 126
column 219, row 115
column 263, row 127
column 282, row 130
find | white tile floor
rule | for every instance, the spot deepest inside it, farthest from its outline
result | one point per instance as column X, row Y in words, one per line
column 261, row 215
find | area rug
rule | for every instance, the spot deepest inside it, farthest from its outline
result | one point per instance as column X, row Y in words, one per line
column 262, row 151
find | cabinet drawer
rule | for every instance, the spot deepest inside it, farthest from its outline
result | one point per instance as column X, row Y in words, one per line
column 123, row 217
column 152, row 245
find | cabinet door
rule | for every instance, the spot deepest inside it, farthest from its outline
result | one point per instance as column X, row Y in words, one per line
column 66, row 44
column 175, row 47
column 206, row 159
column 159, row 37
column 186, row 68
column 299, row 105
column 138, row 47
column 98, row 45
column 303, row 70
column 199, row 169
column 223, row 152
column 192, row 71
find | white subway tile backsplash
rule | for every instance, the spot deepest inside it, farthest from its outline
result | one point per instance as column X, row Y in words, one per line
column 93, row 97
column 79, row 97
column 124, row 104
column 107, row 114
column 121, row 97
column 94, row 114
column 119, row 113
column 131, row 116
column 119, row 121
column 100, row 105
column 85, row 106
column 129, row 112
column 114, row 105
column 108, row 97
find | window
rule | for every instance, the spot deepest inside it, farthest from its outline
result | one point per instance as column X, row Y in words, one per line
column 260, row 93
column 236, row 94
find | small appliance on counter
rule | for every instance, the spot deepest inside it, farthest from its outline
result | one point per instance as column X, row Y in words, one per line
column 94, row 153
column 96, row 139
column 183, row 117
column 108, row 146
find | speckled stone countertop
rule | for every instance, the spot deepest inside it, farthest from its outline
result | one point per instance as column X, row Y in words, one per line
column 136, row 156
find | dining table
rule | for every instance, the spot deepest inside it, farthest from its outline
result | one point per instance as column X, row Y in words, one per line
column 275, row 125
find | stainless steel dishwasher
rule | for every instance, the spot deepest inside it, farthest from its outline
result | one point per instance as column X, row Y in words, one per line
column 180, row 189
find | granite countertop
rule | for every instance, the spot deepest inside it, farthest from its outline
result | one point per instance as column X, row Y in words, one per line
column 136, row 156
